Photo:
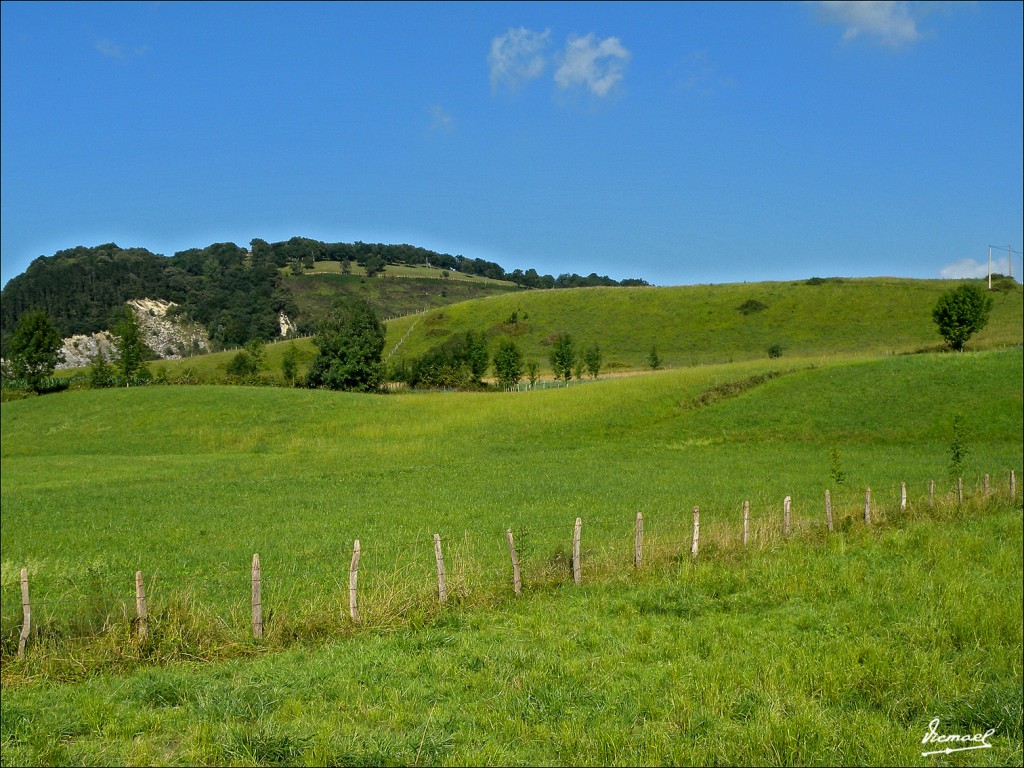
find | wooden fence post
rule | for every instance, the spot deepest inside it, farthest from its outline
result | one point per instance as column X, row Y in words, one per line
column 1013, row 485
column 746, row 522
column 576, row 575
column 442, row 584
column 867, row 506
column 931, row 494
column 638, row 540
column 785, row 515
column 696, row 531
column 959, row 490
column 353, row 577
column 516, row 582
column 828, row 511
column 26, row 611
column 903, row 497
column 257, row 603
column 140, row 607
column 986, row 485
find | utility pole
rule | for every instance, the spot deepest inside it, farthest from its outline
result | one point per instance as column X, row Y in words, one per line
column 990, row 267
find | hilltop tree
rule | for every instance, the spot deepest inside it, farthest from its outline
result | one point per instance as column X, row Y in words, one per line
column 960, row 313
column 508, row 364
column 35, row 349
column 350, row 346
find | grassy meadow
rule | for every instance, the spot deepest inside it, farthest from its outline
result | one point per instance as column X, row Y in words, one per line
column 806, row 648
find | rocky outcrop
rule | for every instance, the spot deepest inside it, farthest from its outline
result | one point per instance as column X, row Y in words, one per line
column 169, row 338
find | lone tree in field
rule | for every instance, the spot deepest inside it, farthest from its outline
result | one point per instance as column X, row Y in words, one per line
column 592, row 359
column 508, row 364
column 563, row 357
column 960, row 313
column 35, row 349
column 350, row 345
column 132, row 351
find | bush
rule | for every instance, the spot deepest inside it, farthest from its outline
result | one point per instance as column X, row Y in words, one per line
column 750, row 306
column 775, row 350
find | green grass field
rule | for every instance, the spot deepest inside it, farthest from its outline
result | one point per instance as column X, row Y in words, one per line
column 806, row 648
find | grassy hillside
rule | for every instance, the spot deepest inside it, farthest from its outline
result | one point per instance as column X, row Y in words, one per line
column 801, row 649
column 689, row 325
column 693, row 325
column 399, row 290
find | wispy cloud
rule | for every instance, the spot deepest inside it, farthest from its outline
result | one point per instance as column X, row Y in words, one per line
column 892, row 23
column 699, row 73
column 517, row 57
column 114, row 51
column 440, row 120
column 597, row 65
column 968, row 268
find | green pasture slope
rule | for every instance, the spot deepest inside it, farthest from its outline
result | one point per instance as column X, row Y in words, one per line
column 807, row 648
column 689, row 325
column 701, row 324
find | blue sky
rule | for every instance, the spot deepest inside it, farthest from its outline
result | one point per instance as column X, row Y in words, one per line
column 679, row 143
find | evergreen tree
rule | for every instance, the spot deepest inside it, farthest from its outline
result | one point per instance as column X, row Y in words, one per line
column 131, row 349
column 563, row 357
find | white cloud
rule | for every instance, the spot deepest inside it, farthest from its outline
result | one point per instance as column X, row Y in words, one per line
column 971, row 268
column 700, row 74
column 891, row 22
column 114, row 51
column 595, row 64
column 441, row 120
column 517, row 57
column 109, row 49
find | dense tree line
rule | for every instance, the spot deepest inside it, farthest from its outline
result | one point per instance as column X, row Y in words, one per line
column 234, row 292
column 236, row 297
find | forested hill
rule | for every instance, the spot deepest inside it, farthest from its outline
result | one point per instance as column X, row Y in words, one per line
column 236, row 293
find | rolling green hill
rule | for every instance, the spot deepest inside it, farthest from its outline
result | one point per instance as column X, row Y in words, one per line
column 689, row 325
column 703, row 324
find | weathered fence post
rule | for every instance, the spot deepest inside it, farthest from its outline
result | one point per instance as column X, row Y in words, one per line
column 867, row 506
column 257, row 603
column 785, row 515
column 986, row 485
column 828, row 511
column 442, row 584
column 696, row 531
column 931, row 494
column 140, row 607
column 353, row 578
column 959, row 490
column 516, row 582
column 638, row 540
column 1013, row 485
column 746, row 522
column 26, row 611
column 903, row 497
column 576, row 575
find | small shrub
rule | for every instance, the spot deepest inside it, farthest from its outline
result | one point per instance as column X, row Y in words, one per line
column 775, row 350
column 750, row 306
